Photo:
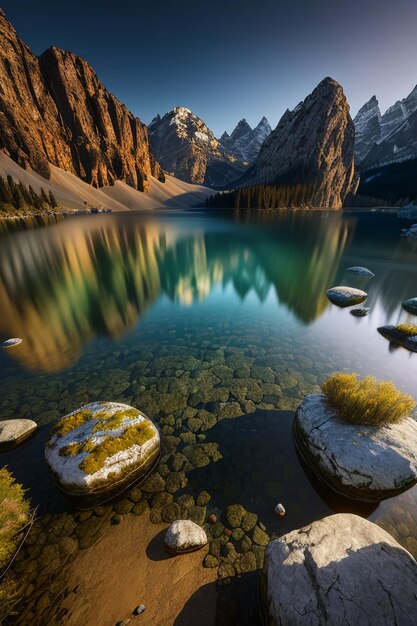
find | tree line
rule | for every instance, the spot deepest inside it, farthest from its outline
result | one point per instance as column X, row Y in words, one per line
column 16, row 196
column 263, row 196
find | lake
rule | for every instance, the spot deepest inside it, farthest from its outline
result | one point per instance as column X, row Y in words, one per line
column 216, row 326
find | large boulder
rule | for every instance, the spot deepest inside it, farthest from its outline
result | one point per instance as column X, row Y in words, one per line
column 15, row 432
column 362, row 462
column 346, row 296
column 100, row 449
column 184, row 536
column 339, row 570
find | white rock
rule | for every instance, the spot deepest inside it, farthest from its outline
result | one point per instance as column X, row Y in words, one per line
column 10, row 343
column 340, row 570
column 185, row 536
column 119, row 469
column 363, row 462
column 14, row 432
column 280, row 509
column 346, row 296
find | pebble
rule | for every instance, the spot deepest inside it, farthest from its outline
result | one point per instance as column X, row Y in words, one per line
column 139, row 609
column 280, row 509
column 9, row 343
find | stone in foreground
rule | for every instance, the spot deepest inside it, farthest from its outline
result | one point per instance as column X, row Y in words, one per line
column 360, row 271
column 99, row 450
column 10, row 343
column 362, row 462
column 361, row 312
column 346, row 296
column 184, row 536
column 339, row 570
column 399, row 338
column 15, row 432
column 410, row 306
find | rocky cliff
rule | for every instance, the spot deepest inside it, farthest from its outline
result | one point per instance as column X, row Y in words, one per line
column 367, row 128
column 311, row 146
column 245, row 142
column 188, row 149
column 54, row 109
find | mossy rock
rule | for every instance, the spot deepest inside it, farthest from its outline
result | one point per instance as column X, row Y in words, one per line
column 203, row 498
column 234, row 515
column 249, row 521
column 260, row 537
column 97, row 451
column 122, row 507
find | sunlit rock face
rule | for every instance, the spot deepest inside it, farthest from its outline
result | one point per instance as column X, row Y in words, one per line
column 312, row 146
column 185, row 147
column 54, row 109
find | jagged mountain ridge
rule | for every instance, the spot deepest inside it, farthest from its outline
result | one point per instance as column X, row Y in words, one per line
column 312, row 146
column 186, row 148
column 244, row 142
column 54, row 109
column 387, row 138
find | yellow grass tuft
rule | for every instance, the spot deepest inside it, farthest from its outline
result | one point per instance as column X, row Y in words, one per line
column 407, row 329
column 366, row 401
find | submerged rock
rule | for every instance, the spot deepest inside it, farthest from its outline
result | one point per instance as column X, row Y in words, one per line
column 10, row 343
column 410, row 306
column 15, row 432
column 339, row 570
column 184, row 536
column 346, row 296
column 361, row 312
column 100, row 449
column 360, row 271
column 398, row 337
column 362, row 462
column 408, row 212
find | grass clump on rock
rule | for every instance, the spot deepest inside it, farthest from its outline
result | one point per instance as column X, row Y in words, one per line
column 366, row 401
column 407, row 329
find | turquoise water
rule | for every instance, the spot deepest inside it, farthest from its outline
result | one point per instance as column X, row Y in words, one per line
column 215, row 325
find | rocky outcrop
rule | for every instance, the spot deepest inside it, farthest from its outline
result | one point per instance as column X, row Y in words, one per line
column 367, row 128
column 400, row 145
column 54, row 109
column 339, row 570
column 15, row 432
column 312, row 146
column 245, row 142
column 97, row 451
column 188, row 149
column 346, row 296
column 184, row 536
column 363, row 462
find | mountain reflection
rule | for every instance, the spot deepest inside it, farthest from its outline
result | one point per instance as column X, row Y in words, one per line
column 62, row 285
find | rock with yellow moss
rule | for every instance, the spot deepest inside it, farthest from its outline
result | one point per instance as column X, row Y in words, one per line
column 99, row 450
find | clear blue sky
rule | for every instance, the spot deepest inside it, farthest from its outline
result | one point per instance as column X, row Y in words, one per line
column 228, row 59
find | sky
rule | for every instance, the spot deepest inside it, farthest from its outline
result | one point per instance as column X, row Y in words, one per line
column 231, row 59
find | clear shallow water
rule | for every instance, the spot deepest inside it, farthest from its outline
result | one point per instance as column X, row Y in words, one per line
column 214, row 325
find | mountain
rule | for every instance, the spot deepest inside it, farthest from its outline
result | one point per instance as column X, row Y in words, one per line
column 367, row 128
column 185, row 147
column 312, row 146
column 244, row 142
column 388, row 138
column 55, row 110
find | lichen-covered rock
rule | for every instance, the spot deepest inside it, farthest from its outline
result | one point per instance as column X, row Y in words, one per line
column 15, row 432
column 404, row 339
column 184, row 536
column 346, row 296
column 100, row 449
column 360, row 271
column 339, row 570
column 363, row 462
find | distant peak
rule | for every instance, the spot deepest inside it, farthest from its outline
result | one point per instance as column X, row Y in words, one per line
column 181, row 110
